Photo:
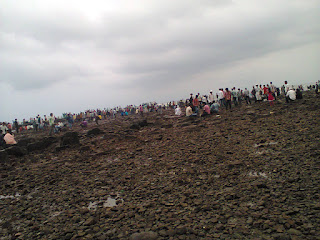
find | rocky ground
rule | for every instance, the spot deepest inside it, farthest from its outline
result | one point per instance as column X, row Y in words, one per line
column 252, row 173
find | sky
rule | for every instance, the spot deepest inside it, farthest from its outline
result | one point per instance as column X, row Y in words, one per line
column 69, row 56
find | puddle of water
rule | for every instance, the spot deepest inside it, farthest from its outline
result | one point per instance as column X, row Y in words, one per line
column 10, row 196
column 93, row 206
column 257, row 174
column 55, row 214
column 111, row 160
column 109, row 203
column 260, row 152
column 265, row 144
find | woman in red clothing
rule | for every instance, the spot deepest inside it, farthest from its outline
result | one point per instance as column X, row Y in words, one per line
column 270, row 98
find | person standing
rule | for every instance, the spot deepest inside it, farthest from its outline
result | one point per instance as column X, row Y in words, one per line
column 221, row 98
column 228, row 98
column 211, row 97
column 51, row 123
column 35, row 125
column 234, row 96
column 246, row 96
column 16, row 125
column 270, row 98
column 196, row 104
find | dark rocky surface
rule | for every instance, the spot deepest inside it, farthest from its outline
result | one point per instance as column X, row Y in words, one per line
column 252, row 173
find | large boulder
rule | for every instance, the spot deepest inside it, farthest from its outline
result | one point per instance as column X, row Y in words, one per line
column 25, row 141
column 94, row 131
column 42, row 144
column 17, row 151
column 3, row 155
column 139, row 125
column 144, row 236
column 69, row 138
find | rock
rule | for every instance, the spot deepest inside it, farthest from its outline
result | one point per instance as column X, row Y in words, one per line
column 58, row 149
column 17, row 151
column 69, row 138
column 84, row 149
column 181, row 230
column 234, row 164
column 25, row 141
column 143, row 123
column 144, row 236
column 163, row 233
column 41, row 145
column 90, row 221
column 94, row 131
column 135, row 126
column 293, row 231
column 139, row 125
column 3, row 155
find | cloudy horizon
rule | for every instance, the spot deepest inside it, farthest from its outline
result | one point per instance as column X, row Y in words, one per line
column 59, row 56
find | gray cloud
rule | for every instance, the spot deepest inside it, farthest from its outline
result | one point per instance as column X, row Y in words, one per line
column 125, row 44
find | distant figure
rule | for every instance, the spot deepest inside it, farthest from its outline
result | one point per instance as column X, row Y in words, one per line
column 270, row 98
column 35, row 125
column 211, row 97
column 189, row 111
column 246, row 96
column 70, row 120
column 291, row 95
column 317, row 88
column 3, row 128
column 253, row 93
column 228, row 99
column 196, row 104
column 298, row 94
column 206, row 110
column 258, row 93
column 16, row 125
column 221, row 97
column 9, row 139
column 84, row 124
column 51, row 123
column 214, row 107
column 177, row 111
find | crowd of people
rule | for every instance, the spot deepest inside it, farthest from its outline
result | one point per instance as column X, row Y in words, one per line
column 194, row 106
column 228, row 99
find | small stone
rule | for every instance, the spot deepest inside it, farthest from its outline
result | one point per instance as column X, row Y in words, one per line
column 279, row 228
column 90, row 221
column 144, row 236
column 294, row 231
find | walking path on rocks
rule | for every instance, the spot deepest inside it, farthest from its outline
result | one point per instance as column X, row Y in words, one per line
column 252, row 173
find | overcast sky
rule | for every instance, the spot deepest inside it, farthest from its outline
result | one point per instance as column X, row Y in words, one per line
column 68, row 56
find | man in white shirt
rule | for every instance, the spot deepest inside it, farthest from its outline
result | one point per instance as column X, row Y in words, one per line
column 211, row 97
column 3, row 128
column 178, row 111
column 189, row 111
column 221, row 97
column 291, row 95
